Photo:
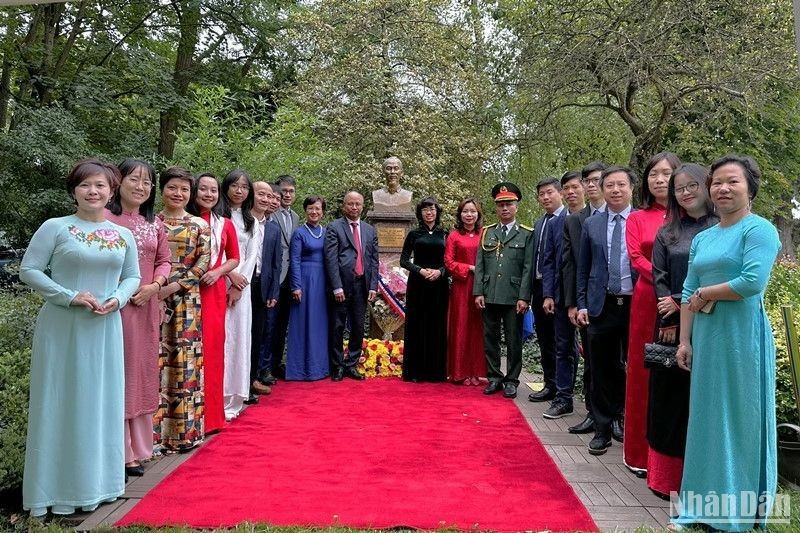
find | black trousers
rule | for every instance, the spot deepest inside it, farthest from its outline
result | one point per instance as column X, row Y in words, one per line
column 494, row 317
column 587, row 371
column 608, row 345
column 281, row 326
column 352, row 310
column 261, row 364
column 545, row 327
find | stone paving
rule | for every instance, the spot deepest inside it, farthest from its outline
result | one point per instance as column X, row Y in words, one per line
column 616, row 499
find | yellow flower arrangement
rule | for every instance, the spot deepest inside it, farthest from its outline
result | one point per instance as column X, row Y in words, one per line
column 381, row 358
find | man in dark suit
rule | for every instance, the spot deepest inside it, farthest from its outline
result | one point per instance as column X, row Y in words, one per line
column 552, row 291
column 265, row 286
column 503, row 274
column 548, row 192
column 351, row 263
column 288, row 221
column 604, row 284
column 573, row 226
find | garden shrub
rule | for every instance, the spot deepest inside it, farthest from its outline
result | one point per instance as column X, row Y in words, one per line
column 783, row 289
column 17, row 320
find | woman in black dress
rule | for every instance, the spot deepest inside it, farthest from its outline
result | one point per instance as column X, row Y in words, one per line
column 689, row 211
column 425, row 351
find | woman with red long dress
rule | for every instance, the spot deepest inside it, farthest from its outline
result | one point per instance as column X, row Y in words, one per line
column 213, row 295
column 640, row 233
column 466, row 361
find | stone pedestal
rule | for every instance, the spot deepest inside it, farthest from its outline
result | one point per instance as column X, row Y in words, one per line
column 392, row 228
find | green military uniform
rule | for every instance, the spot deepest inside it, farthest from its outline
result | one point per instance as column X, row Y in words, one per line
column 503, row 274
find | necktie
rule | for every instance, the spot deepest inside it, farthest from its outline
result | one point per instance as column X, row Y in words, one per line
column 359, row 270
column 614, row 260
column 542, row 237
column 504, row 232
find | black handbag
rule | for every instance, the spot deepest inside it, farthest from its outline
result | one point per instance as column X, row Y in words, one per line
column 660, row 355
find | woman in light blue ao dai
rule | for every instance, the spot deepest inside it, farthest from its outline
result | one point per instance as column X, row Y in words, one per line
column 730, row 447
column 86, row 268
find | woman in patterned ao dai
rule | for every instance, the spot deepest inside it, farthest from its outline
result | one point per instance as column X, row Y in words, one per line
column 132, row 208
column 178, row 423
column 86, row 268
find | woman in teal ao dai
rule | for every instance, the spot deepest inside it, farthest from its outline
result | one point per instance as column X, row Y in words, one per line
column 730, row 446
column 74, row 456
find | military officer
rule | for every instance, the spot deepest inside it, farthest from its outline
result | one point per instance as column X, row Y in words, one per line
column 503, row 287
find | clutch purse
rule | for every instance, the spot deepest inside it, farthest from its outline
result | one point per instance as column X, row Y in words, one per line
column 660, row 355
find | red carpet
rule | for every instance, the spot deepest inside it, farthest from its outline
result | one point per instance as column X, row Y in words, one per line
column 373, row 454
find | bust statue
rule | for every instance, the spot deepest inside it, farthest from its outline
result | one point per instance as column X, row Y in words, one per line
column 392, row 197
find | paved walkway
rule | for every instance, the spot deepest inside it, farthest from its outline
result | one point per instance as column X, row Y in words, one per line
column 616, row 499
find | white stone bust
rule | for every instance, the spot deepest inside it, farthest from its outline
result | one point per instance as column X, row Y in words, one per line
column 392, row 197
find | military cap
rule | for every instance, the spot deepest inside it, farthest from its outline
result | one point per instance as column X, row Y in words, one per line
column 505, row 190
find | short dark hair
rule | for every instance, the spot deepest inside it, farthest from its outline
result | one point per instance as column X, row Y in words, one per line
column 127, row 167
column 615, row 168
column 193, row 208
column 310, row 200
column 231, row 178
column 545, row 182
column 171, row 173
column 286, row 178
column 460, row 208
column 568, row 176
column 429, row 201
column 752, row 172
column 594, row 166
column 646, row 197
column 92, row 167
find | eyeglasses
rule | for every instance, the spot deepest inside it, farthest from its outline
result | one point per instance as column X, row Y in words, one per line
column 689, row 187
column 240, row 187
column 587, row 181
column 147, row 184
column 429, row 208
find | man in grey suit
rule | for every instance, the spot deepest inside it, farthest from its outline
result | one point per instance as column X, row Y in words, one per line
column 351, row 263
column 288, row 222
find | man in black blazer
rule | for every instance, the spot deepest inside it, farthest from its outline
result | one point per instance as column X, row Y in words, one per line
column 573, row 226
column 548, row 192
column 266, row 286
column 553, row 294
column 605, row 283
column 351, row 263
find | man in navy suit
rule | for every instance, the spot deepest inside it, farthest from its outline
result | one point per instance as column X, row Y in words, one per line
column 573, row 226
column 266, row 286
column 351, row 263
column 548, row 192
column 604, row 286
column 553, row 305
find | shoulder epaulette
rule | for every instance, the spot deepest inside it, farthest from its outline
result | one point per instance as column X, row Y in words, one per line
column 523, row 226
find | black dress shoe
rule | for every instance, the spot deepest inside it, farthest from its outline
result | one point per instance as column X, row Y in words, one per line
column 338, row 374
column 509, row 390
column 638, row 472
column 352, row 373
column 544, row 395
column 599, row 444
column 134, row 470
column 617, row 431
column 492, row 387
column 252, row 399
column 587, row 426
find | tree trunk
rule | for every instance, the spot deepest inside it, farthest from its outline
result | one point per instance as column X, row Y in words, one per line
column 785, row 227
column 182, row 76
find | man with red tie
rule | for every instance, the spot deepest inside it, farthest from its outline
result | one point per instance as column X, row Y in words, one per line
column 351, row 262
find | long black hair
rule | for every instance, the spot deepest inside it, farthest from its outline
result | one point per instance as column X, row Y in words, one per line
column 193, row 207
column 675, row 212
column 646, row 197
column 126, row 168
column 232, row 177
